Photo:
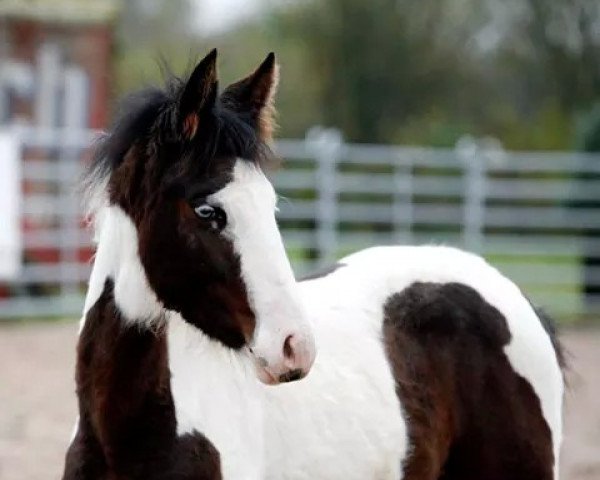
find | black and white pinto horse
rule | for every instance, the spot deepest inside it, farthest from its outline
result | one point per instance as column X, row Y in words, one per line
column 430, row 365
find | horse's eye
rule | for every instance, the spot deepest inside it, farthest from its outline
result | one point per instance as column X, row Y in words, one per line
column 205, row 211
column 215, row 215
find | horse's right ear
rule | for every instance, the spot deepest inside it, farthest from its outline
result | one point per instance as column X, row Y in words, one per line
column 198, row 96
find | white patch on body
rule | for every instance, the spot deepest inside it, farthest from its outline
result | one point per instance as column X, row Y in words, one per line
column 344, row 420
column 216, row 393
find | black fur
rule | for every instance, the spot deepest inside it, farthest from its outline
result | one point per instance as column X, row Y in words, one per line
column 127, row 425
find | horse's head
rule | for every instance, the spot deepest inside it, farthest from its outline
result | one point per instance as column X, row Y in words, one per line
column 183, row 168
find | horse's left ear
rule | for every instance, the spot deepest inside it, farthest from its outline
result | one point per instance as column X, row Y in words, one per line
column 254, row 96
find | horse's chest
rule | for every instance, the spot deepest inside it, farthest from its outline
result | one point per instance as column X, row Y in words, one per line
column 344, row 419
column 216, row 394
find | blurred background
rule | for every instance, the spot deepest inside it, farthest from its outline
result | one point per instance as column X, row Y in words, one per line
column 473, row 123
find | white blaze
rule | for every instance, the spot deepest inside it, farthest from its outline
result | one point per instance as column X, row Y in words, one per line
column 250, row 203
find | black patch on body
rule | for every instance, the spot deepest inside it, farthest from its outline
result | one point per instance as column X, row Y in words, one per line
column 322, row 272
column 127, row 424
column 469, row 414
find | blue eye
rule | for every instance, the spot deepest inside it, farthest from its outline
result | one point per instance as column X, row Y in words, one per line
column 215, row 215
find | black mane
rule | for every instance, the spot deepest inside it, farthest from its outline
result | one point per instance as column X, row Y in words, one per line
column 137, row 113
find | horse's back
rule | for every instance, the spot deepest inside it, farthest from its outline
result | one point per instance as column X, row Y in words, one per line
column 476, row 374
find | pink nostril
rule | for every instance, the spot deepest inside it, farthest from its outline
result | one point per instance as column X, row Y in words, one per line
column 288, row 350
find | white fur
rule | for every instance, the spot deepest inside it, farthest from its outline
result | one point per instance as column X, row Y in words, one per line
column 117, row 257
column 216, row 392
column 344, row 420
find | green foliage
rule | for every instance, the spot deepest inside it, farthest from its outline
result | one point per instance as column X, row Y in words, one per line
column 547, row 128
column 150, row 36
column 589, row 131
column 375, row 66
column 431, row 128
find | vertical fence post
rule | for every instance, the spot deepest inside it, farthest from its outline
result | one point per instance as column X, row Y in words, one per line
column 474, row 170
column 325, row 145
column 47, row 89
column 75, row 109
column 11, row 188
column 403, row 206
column 67, row 174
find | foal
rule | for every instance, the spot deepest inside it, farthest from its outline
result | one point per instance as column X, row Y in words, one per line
column 431, row 364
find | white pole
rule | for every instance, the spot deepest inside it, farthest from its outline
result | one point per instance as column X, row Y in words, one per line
column 47, row 91
column 74, row 117
column 11, row 242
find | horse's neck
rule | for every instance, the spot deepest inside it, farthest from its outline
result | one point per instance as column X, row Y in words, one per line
column 122, row 365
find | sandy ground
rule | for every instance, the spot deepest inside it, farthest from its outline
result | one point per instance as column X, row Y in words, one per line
column 37, row 403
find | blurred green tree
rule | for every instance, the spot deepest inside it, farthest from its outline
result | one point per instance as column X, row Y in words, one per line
column 422, row 72
column 379, row 62
column 152, row 35
column 567, row 49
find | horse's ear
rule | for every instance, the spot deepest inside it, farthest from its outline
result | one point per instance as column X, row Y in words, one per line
column 254, row 96
column 198, row 95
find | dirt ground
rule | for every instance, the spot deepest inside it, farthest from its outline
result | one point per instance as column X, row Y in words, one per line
column 37, row 402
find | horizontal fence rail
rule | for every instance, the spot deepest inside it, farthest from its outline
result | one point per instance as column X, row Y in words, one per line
column 534, row 215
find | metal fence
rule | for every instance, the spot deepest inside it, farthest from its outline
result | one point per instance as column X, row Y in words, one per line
column 536, row 216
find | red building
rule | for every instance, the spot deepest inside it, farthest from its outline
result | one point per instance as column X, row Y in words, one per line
column 48, row 37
